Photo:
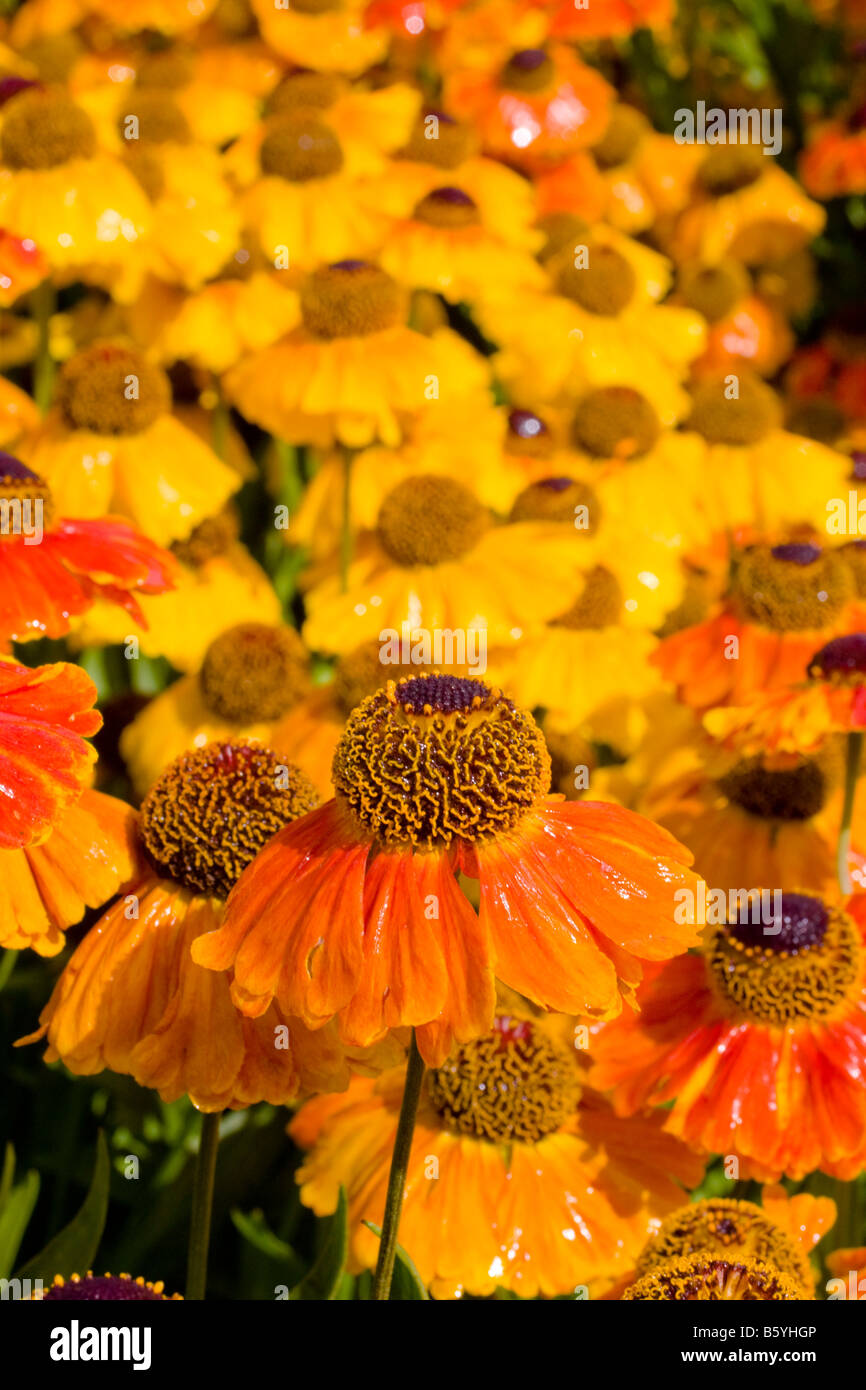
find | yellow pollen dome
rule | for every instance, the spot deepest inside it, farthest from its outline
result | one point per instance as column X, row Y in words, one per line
column 559, row 499
column 158, row 120
column 600, row 605
column 742, row 419
column 513, row 1086
column 440, row 140
column 214, row 808
column 792, row 587
column 436, row 757
column 615, row 422
column 705, row 1277
column 804, row 972
column 625, row 128
column 604, row 286
column 429, row 520
column 42, row 129
column 299, row 148
column 713, row 290
column 351, row 299
column 254, row 673
column 112, row 389
column 723, row 1226
column 727, row 168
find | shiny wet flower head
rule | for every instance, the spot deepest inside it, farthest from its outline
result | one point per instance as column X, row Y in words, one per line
column 24, row 498
column 805, row 966
column 615, row 422
column 792, row 587
column 564, row 499
column 744, row 418
column 704, row 1277
column 514, row 1086
column 214, row 808
column 351, row 299
column 448, row 207
column 842, row 661
column 429, row 520
column 435, row 758
column 43, row 129
column 105, row 1288
column 297, row 146
column 723, row 1226
column 253, row 673
column 112, row 389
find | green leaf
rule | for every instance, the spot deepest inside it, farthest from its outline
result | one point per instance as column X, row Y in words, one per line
column 73, row 1249
column 323, row 1280
column 255, row 1229
column 16, row 1208
column 407, row 1284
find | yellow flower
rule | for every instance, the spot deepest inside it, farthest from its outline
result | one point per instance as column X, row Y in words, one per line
column 330, row 33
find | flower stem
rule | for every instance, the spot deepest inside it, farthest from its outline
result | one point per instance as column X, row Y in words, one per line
column 202, row 1202
column 44, row 304
column 397, row 1176
column 346, row 522
column 852, row 770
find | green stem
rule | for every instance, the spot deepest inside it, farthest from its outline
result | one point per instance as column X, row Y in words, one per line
column 44, row 305
column 202, row 1203
column 397, row 1176
column 346, row 522
column 852, row 771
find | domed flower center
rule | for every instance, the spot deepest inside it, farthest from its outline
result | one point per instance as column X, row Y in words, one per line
column 434, row 758
column 783, row 794
column 253, row 673
column 842, row 661
column 111, row 389
column 854, row 555
column 615, row 422
column 744, row 419
column 103, row 1288
column 792, row 588
column 807, row 971
column 600, row 605
column 562, row 229
column 428, row 520
column 439, row 140
column 316, row 6
column 705, row 1278
column 625, row 128
column 530, row 70
column 11, row 85
column 559, row 499
column 307, row 91
column 514, row 1086
column 158, row 120
column 605, row 285
column 448, row 207
column 42, row 129
column 722, row 1226
column 214, row 808
column 212, row 537
column 25, row 500
column 299, row 148
column 350, row 300
column 165, row 69
column 713, row 290
column 728, row 168
column 528, row 435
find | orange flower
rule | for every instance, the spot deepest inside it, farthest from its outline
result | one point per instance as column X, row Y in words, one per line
column 356, row 911
column 22, row 267
column 84, row 861
column 834, row 163
column 45, row 716
column 54, row 569
column 785, row 603
column 131, row 998
column 517, row 1178
column 757, row 1042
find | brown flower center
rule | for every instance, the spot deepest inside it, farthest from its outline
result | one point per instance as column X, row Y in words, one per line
column 434, row 758
column 792, row 588
column 428, row 520
column 306, row 91
column 253, row 673
column 42, row 129
column 514, row 1086
column 600, row 605
column 605, row 285
column 713, row 290
column 213, row 809
column 298, row 147
column 559, row 499
column 722, row 1226
column 25, row 500
column 158, row 120
column 705, row 1278
column 743, row 419
column 727, row 168
column 448, row 207
column 440, row 140
column 212, row 537
column 625, row 129
column 782, row 794
column 351, row 299
column 111, row 389
column 615, row 422
column 530, row 70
